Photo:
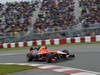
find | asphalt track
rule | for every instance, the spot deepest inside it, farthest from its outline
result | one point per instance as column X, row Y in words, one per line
column 87, row 58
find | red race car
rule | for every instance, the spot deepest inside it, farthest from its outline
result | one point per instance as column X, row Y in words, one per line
column 48, row 55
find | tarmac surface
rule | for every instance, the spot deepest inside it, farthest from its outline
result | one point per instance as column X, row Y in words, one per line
column 87, row 58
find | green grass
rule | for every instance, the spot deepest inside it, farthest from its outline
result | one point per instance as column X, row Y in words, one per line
column 7, row 49
column 6, row 69
column 69, row 44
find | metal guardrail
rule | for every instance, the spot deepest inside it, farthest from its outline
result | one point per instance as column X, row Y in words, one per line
column 52, row 35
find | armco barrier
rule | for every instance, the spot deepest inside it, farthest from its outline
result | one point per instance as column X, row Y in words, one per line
column 60, row 41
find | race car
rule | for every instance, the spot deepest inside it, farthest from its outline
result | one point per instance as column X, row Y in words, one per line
column 48, row 55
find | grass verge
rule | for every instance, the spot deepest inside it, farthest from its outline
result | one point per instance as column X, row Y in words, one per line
column 6, row 69
column 68, row 44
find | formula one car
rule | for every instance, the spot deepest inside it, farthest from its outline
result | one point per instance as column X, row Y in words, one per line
column 48, row 55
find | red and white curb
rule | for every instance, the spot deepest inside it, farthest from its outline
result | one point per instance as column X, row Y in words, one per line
column 59, row 41
column 66, row 70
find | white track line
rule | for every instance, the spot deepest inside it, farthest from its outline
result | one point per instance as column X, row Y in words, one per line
column 84, row 73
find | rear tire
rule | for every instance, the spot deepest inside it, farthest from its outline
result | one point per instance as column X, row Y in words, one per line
column 29, row 57
column 29, row 60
